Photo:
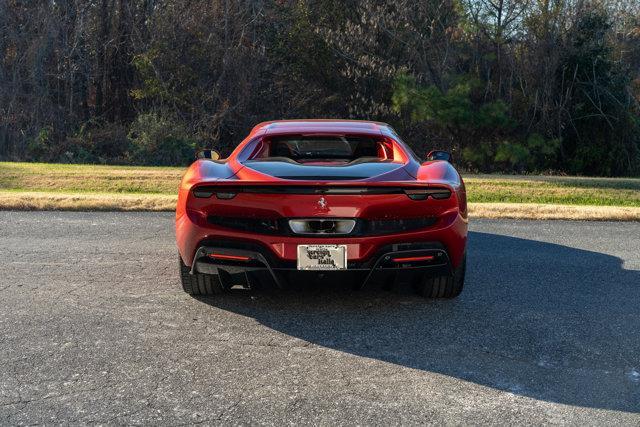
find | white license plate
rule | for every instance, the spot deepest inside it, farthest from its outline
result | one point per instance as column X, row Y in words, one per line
column 322, row 257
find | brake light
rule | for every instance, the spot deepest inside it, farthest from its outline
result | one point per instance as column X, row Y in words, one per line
column 230, row 257
column 414, row 258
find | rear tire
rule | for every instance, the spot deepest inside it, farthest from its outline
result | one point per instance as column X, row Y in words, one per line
column 199, row 284
column 443, row 286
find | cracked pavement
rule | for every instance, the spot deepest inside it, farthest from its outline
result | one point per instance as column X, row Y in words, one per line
column 96, row 329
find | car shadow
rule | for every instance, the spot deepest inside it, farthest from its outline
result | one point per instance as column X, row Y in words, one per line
column 541, row 320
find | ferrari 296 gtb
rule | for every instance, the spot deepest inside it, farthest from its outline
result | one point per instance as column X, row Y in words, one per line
column 342, row 200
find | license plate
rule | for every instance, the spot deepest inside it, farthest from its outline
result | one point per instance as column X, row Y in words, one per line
column 322, row 257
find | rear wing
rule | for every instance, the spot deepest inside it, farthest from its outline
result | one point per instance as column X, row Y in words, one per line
column 414, row 190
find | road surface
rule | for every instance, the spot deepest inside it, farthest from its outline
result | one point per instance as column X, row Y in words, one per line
column 95, row 329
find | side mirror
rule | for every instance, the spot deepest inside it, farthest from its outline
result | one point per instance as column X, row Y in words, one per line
column 439, row 155
column 207, row 154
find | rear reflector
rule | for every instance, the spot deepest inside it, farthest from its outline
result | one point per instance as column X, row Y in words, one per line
column 229, row 257
column 414, row 259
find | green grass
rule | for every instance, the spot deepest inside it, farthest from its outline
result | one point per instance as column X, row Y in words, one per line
column 98, row 179
column 59, row 178
column 553, row 190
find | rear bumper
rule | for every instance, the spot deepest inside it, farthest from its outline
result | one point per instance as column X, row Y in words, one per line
column 427, row 258
column 450, row 232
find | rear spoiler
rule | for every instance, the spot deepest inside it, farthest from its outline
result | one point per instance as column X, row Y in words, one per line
column 413, row 190
column 334, row 184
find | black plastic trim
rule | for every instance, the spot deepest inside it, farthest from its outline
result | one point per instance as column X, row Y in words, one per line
column 363, row 227
column 261, row 260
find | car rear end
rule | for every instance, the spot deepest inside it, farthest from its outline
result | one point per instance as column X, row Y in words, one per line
column 339, row 199
column 280, row 229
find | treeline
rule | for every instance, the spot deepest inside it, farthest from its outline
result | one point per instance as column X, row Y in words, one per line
column 507, row 85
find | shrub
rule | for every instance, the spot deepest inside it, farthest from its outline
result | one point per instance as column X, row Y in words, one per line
column 38, row 148
column 544, row 152
column 158, row 140
column 109, row 142
column 534, row 154
column 95, row 143
column 478, row 157
column 513, row 155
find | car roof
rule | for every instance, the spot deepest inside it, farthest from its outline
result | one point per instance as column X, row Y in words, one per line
column 322, row 126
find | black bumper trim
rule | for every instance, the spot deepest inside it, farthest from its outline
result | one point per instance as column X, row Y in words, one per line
column 362, row 227
column 379, row 263
column 204, row 251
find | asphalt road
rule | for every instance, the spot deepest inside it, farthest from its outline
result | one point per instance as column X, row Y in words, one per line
column 94, row 328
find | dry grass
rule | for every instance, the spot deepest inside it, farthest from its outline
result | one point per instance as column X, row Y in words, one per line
column 550, row 211
column 30, row 201
column 47, row 177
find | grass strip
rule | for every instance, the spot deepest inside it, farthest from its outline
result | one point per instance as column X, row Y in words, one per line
column 42, row 201
column 99, row 187
column 541, row 211
column 13, row 200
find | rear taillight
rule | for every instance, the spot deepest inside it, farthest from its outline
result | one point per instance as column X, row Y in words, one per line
column 425, row 193
column 204, row 193
column 225, row 196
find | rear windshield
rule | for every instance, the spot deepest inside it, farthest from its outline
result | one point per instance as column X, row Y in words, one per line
column 308, row 148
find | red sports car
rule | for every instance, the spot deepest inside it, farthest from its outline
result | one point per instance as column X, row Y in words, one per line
column 344, row 200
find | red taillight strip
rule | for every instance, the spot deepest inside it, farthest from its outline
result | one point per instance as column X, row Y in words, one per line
column 230, row 257
column 414, row 258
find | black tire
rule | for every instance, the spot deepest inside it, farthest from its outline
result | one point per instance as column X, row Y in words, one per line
column 443, row 286
column 199, row 284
